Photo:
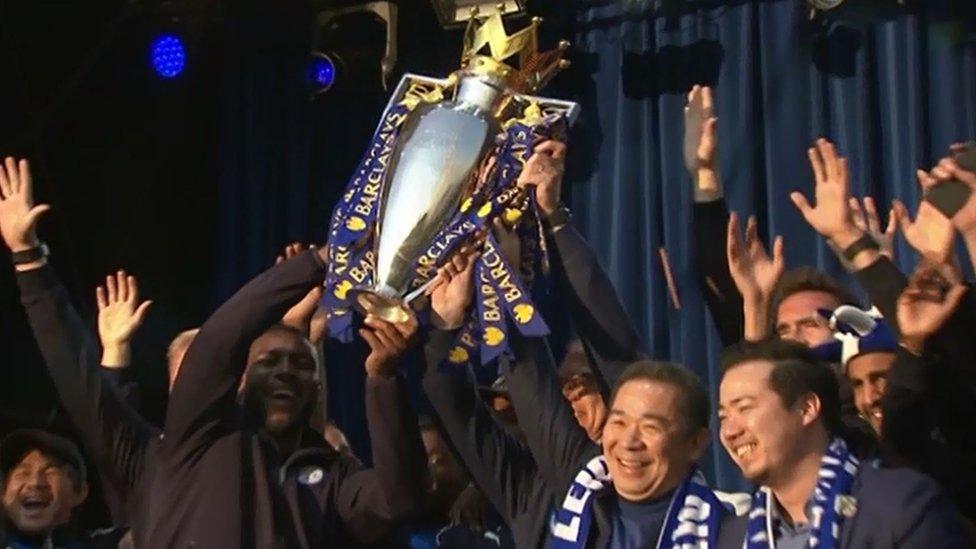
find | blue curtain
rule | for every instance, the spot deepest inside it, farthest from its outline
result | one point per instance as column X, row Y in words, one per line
column 892, row 91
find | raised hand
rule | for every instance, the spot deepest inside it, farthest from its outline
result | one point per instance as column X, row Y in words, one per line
column 387, row 341
column 931, row 233
column 866, row 219
column 120, row 314
column 932, row 295
column 755, row 274
column 948, row 169
column 545, row 169
column 831, row 217
column 18, row 214
column 701, row 144
column 301, row 314
column 453, row 294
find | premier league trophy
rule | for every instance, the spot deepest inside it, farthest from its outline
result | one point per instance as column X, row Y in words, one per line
column 424, row 187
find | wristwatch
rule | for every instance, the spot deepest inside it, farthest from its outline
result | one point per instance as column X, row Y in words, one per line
column 866, row 242
column 559, row 217
column 30, row 255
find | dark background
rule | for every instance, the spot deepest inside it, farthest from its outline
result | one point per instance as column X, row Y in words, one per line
column 194, row 184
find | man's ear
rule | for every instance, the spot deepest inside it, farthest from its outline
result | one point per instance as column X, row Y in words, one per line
column 80, row 495
column 810, row 408
column 699, row 443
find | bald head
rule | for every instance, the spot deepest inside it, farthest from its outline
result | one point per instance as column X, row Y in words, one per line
column 174, row 354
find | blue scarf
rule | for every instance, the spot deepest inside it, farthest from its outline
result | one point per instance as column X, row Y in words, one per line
column 832, row 502
column 693, row 517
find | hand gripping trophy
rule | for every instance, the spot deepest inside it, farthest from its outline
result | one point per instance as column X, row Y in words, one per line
column 441, row 166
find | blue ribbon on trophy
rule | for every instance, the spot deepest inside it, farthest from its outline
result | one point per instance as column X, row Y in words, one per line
column 415, row 198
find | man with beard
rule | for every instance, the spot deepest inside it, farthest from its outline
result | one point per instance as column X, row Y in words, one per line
column 256, row 475
column 43, row 478
column 779, row 418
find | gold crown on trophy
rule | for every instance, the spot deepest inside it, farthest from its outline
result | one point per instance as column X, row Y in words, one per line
column 487, row 46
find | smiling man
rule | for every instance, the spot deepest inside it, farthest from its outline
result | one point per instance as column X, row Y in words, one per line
column 779, row 418
column 43, row 483
column 643, row 487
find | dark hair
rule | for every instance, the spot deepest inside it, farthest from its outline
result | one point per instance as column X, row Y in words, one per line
column 693, row 397
column 796, row 372
column 808, row 279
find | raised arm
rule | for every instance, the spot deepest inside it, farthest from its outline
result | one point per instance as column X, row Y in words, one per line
column 372, row 501
column 500, row 464
column 710, row 215
column 113, row 434
column 607, row 332
column 203, row 398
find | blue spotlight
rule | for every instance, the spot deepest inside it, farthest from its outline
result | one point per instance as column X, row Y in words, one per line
column 321, row 71
column 168, row 55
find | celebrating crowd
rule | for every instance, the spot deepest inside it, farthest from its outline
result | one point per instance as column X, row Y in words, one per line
column 852, row 420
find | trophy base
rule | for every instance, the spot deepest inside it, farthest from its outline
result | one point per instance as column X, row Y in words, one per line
column 369, row 302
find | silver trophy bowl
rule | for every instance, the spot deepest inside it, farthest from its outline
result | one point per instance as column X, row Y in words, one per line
column 438, row 150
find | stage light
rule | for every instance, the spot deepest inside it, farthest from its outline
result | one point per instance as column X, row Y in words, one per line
column 168, row 55
column 322, row 71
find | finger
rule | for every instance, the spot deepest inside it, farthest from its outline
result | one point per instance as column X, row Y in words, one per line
column 779, row 252
column 871, row 211
column 370, row 338
column 856, row 213
column 732, row 239
column 960, row 174
column 35, row 213
column 24, row 180
column 439, row 280
column 121, row 285
column 5, row 191
column 751, row 232
column 386, row 333
column 829, row 155
column 133, row 289
column 957, row 148
column 954, row 296
column 470, row 263
column 100, row 298
column 904, row 218
column 408, row 327
column 112, row 290
column 801, row 204
column 892, row 223
column 554, row 148
column 940, row 174
column 140, row 313
column 817, row 164
column 842, row 174
column 12, row 173
column 279, row 259
column 706, row 98
column 693, row 94
column 711, row 125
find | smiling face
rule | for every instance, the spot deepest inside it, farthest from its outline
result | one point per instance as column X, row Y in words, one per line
column 868, row 376
column 647, row 445
column 39, row 494
column 761, row 434
column 798, row 319
column 280, row 381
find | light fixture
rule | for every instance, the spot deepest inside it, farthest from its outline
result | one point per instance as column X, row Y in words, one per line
column 167, row 53
column 454, row 13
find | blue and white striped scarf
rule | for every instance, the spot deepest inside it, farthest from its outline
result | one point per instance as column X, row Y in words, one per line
column 692, row 521
column 832, row 503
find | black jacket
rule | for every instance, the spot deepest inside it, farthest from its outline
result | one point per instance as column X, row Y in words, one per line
column 220, row 483
column 895, row 508
column 501, row 464
column 121, row 443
